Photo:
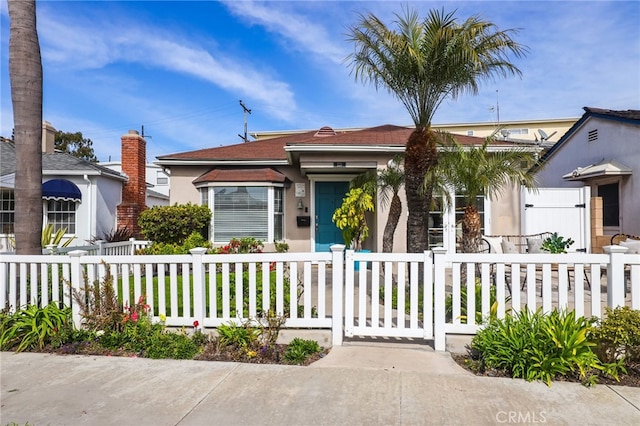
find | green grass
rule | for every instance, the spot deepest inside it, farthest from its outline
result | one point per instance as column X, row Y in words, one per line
column 180, row 305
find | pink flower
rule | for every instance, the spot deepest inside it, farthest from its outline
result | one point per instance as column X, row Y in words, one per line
column 134, row 317
column 196, row 324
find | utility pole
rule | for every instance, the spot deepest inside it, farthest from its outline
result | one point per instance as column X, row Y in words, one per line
column 246, row 110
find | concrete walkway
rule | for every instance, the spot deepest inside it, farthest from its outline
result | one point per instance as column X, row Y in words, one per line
column 356, row 384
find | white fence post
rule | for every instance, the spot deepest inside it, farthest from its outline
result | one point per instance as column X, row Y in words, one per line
column 76, row 284
column 439, row 338
column 199, row 300
column 132, row 242
column 337, row 286
column 100, row 244
column 615, row 276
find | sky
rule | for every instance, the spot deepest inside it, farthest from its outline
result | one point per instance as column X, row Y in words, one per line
column 181, row 68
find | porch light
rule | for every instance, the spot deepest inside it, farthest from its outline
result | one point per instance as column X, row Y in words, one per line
column 300, row 205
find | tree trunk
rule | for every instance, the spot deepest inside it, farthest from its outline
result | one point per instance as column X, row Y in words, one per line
column 395, row 210
column 421, row 156
column 471, row 226
column 25, row 74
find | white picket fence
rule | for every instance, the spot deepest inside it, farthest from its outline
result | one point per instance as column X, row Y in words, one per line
column 100, row 247
column 416, row 295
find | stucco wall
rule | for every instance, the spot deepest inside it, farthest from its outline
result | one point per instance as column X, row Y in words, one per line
column 616, row 141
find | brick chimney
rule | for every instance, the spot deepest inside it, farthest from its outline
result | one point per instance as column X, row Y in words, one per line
column 134, row 162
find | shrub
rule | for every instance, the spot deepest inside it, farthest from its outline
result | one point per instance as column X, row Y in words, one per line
column 173, row 224
column 194, row 240
column 299, row 350
column 33, row 327
column 618, row 335
column 99, row 306
column 242, row 245
column 238, row 336
column 534, row 346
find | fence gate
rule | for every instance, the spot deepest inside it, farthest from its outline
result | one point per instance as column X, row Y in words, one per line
column 562, row 210
column 388, row 294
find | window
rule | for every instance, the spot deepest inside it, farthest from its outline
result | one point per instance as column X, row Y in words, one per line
column 469, row 132
column 610, row 204
column 162, row 178
column 518, row 131
column 7, row 212
column 61, row 214
column 247, row 211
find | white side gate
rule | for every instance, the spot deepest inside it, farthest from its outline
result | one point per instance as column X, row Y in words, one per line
column 562, row 210
column 389, row 294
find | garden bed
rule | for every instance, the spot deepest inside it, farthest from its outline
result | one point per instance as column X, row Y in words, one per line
column 632, row 378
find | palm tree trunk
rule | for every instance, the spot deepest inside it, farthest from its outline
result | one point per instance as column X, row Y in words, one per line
column 420, row 157
column 471, row 230
column 25, row 73
column 395, row 210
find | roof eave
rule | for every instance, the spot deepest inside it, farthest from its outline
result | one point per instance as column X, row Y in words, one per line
column 196, row 162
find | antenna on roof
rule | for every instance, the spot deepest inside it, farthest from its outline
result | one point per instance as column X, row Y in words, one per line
column 246, row 110
column 143, row 135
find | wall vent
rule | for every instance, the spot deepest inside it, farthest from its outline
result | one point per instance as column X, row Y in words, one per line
column 592, row 136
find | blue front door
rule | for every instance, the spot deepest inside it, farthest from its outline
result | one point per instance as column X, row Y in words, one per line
column 329, row 197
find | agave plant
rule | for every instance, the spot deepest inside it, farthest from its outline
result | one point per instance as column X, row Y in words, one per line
column 49, row 237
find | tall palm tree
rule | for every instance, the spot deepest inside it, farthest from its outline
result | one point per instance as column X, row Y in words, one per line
column 479, row 170
column 25, row 73
column 423, row 62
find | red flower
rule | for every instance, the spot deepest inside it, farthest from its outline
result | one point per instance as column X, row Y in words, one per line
column 134, row 317
column 196, row 324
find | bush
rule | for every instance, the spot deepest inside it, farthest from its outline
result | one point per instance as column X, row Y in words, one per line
column 194, row 240
column 99, row 306
column 534, row 346
column 618, row 335
column 299, row 350
column 242, row 245
column 173, row 224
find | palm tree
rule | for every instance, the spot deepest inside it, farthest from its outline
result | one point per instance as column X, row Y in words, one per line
column 25, row 73
column 385, row 182
column 476, row 171
column 423, row 62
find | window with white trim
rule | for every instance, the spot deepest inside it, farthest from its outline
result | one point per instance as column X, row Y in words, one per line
column 7, row 211
column 247, row 211
column 61, row 214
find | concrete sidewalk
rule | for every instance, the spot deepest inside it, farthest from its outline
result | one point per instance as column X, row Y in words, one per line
column 356, row 384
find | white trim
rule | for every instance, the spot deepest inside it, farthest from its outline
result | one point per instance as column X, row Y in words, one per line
column 196, row 162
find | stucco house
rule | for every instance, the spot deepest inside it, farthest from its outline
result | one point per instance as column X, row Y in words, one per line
column 287, row 187
column 87, row 199
column 601, row 151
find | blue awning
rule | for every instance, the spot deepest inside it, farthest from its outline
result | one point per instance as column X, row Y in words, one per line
column 61, row 189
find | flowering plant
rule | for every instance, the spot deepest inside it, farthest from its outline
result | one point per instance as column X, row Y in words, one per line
column 242, row 245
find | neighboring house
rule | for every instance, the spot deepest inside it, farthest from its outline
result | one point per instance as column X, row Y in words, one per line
column 601, row 151
column 543, row 131
column 287, row 188
column 86, row 199
column 157, row 182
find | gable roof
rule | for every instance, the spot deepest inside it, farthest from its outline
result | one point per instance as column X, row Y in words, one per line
column 629, row 116
column 274, row 151
column 55, row 164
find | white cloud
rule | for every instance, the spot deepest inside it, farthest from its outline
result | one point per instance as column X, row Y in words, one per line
column 72, row 45
column 300, row 30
